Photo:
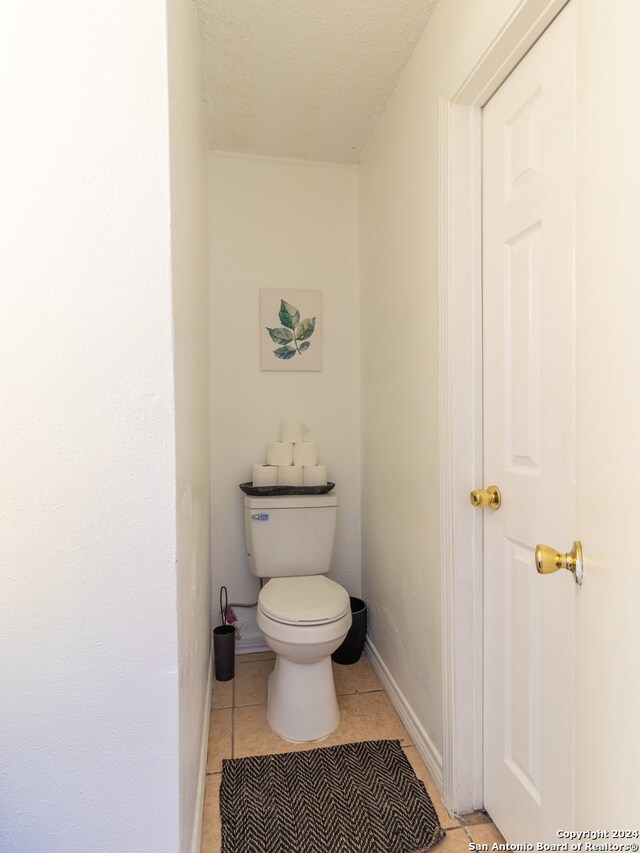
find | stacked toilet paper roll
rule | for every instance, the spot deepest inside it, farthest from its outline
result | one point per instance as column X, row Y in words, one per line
column 291, row 461
column 291, row 430
column 314, row 475
column 305, row 453
column 265, row 475
column 290, row 475
column 280, row 453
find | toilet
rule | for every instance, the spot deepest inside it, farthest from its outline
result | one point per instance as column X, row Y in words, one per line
column 303, row 615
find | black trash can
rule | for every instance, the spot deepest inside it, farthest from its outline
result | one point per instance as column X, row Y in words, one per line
column 353, row 644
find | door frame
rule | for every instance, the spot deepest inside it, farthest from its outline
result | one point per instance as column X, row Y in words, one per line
column 460, row 393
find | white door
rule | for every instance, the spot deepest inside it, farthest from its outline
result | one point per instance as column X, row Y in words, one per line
column 529, row 379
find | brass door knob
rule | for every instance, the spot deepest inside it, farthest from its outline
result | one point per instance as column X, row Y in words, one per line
column 549, row 560
column 486, row 498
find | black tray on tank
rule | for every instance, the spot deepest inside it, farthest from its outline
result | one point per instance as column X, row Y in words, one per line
column 277, row 491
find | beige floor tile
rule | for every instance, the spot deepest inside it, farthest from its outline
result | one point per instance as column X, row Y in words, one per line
column 446, row 819
column 253, row 736
column 475, row 818
column 251, row 682
column 485, row 833
column 455, row 841
column 255, row 656
column 220, row 739
column 222, row 694
column 364, row 716
column 355, row 678
column 211, row 838
column 368, row 716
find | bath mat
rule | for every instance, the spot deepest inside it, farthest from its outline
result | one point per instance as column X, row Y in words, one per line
column 354, row 798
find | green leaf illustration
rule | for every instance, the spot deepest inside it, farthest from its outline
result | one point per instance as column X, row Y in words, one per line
column 284, row 352
column 280, row 336
column 304, row 346
column 306, row 329
column 289, row 315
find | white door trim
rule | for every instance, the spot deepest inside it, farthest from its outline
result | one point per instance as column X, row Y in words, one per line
column 460, row 284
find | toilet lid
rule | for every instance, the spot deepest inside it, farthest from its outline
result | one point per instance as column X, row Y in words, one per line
column 312, row 600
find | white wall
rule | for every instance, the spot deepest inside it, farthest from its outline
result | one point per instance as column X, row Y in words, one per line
column 400, row 327
column 89, row 709
column 608, row 463
column 399, row 272
column 190, row 277
column 290, row 224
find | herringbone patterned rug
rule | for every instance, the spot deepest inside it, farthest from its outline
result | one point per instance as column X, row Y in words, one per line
column 356, row 798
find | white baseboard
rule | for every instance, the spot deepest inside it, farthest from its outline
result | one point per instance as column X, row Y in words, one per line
column 419, row 736
column 196, row 836
column 250, row 645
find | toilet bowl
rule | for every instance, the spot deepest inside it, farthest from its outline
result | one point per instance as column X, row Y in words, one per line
column 304, row 620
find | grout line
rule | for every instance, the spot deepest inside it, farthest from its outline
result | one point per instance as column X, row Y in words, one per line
column 339, row 695
column 450, row 829
column 363, row 692
column 258, row 660
column 233, row 719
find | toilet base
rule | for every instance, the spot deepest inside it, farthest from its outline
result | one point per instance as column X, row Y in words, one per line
column 302, row 704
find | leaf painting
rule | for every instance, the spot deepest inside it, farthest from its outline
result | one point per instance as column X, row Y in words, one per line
column 294, row 335
column 289, row 316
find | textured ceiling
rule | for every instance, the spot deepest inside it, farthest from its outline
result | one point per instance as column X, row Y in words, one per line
column 303, row 78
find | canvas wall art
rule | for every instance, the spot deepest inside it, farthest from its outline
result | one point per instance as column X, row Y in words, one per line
column 290, row 329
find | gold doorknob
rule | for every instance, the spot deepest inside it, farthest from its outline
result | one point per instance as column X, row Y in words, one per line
column 549, row 560
column 489, row 497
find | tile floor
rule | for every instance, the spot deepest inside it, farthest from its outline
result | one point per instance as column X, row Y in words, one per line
column 239, row 728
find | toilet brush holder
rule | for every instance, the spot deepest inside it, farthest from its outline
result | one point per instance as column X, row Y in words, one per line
column 224, row 644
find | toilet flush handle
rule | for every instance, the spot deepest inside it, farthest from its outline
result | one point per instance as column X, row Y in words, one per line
column 260, row 516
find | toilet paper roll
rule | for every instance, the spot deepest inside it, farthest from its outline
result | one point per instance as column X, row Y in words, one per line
column 265, row 475
column 314, row 475
column 290, row 475
column 291, row 430
column 280, row 453
column 305, row 453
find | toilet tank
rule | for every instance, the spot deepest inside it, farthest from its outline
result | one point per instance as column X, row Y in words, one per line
column 290, row 536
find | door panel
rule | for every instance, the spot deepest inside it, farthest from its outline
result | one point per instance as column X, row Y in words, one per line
column 522, row 351
column 528, row 329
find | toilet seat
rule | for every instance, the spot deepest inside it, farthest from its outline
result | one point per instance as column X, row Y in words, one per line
column 309, row 600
